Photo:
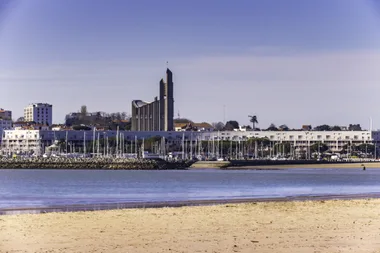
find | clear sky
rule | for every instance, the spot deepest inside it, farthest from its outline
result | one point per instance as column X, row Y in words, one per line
column 289, row 62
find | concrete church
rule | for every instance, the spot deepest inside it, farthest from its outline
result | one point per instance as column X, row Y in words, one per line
column 157, row 115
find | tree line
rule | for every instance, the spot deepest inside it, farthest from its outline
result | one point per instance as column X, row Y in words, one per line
column 109, row 121
column 233, row 124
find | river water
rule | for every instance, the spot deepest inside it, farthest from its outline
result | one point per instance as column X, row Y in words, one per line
column 43, row 188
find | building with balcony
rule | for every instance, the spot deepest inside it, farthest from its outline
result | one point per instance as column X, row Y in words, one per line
column 35, row 141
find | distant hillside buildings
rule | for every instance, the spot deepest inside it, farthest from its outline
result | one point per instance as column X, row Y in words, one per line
column 99, row 120
column 157, row 115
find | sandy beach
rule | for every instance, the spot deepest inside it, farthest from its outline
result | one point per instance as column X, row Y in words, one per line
column 307, row 226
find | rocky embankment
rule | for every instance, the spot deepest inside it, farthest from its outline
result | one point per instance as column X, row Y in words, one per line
column 90, row 163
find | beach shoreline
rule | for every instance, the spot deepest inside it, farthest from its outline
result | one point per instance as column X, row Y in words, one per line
column 290, row 226
column 356, row 165
column 281, row 164
column 177, row 203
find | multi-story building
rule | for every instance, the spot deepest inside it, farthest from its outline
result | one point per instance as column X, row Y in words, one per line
column 335, row 140
column 6, row 115
column 157, row 115
column 5, row 124
column 5, row 121
column 37, row 140
column 39, row 113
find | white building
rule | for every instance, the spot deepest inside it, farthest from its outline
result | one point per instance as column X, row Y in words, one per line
column 21, row 141
column 335, row 140
column 36, row 140
column 39, row 113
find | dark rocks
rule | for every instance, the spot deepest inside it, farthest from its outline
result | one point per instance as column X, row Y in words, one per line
column 101, row 163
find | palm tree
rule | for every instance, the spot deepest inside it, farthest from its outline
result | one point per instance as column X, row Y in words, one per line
column 253, row 120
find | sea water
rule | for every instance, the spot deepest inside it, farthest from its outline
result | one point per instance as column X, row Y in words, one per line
column 43, row 188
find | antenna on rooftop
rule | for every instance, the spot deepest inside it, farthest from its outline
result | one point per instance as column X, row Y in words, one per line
column 179, row 116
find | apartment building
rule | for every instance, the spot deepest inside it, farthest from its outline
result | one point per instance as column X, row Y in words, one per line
column 39, row 113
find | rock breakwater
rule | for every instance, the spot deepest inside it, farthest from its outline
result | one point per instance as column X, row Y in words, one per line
column 91, row 163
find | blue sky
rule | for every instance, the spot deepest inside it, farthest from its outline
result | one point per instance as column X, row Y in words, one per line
column 294, row 62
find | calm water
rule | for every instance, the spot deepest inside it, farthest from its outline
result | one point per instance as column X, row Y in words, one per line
column 40, row 188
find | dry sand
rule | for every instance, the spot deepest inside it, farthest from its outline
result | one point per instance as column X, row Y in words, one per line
column 309, row 226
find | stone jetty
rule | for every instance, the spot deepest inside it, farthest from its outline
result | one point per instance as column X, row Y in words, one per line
column 102, row 163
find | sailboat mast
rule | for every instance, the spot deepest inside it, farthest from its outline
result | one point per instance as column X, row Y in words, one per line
column 183, row 146
column 97, row 152
column 84, row 142
column 117, row 141
column 66, row 142
column 93, row 142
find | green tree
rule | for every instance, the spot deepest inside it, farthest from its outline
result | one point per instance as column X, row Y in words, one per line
column 253, row 120
column 284, row 127
column 336, row 128
column 128, row 126
column 231, row 125
column 272, row 127
column 322, row 128
column 354, row 127
column 366, row 148
column 282, row 147
column 219, row 126
column 321, row 147
column 21, row 119
column 83, row 111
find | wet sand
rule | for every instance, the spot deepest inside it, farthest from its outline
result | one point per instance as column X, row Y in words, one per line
column 308, row 166
column 292, row 226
